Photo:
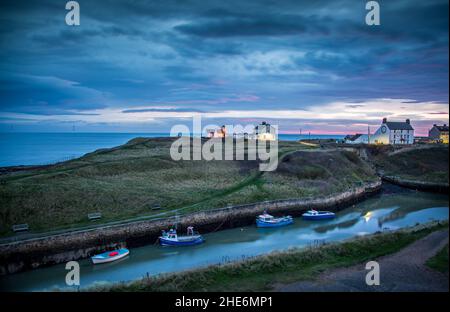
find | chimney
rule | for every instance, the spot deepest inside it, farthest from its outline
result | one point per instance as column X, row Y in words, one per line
column 445, row 125
column 408, row 121
column 434, row 125
column 384, row 120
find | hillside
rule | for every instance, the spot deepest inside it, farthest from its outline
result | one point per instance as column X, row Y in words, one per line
column 129, row 181
column 424, row 163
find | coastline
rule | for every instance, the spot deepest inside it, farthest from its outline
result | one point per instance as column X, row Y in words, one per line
column 72, row 145
column 48, row 250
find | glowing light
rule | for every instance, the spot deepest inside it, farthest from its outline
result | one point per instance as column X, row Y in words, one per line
column 367, row 216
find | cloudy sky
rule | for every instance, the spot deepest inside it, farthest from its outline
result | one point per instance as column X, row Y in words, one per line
column 143, row 66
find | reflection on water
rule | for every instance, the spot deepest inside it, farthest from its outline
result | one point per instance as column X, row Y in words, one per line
column 384, row 211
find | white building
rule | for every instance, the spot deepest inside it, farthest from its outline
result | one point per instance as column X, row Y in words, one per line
column 390, row 132
column 216, row 133
column 265, row 132
column 357, row 139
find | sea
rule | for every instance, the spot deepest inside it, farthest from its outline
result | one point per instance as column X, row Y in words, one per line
column 47, row 148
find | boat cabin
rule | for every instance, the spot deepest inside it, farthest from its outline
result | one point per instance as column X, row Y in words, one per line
column 266, row 217
column 171, row 234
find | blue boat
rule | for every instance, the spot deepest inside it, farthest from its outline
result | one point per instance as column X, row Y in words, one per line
column 110, row 256
column 171, row 238
column 266, row 220
column 318, row 215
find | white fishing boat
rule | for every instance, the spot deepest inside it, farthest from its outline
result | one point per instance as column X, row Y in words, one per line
column 110, row 256
column 267, row 220
column 171, row 238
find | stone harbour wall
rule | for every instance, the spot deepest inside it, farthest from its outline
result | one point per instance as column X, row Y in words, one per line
column 417, row 185
column 49, row 250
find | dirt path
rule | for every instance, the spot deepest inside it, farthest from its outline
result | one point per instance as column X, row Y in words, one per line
column 402, row 271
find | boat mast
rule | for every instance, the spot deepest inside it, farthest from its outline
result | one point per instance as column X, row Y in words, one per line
column 177, row 219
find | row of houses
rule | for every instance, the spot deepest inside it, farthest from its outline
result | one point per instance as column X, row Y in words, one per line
column 389, row 133
column 397, row 133
column 262, row 132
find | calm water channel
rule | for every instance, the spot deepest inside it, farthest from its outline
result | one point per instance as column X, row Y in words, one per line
column 389, row 210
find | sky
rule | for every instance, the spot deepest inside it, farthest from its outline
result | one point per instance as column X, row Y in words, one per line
column 144, row 66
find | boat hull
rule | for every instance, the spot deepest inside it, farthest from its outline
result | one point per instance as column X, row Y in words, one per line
column 168, row 242
column 105, row 258
column 264, row 224
column 318, row 217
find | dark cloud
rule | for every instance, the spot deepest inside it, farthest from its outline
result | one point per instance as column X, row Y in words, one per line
column 241, row 27
column 46, row 95
column 290, row 54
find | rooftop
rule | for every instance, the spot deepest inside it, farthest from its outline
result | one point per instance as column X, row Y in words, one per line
column 398, row 125
column 441, row 128
column 395, row 125
column 352, row 137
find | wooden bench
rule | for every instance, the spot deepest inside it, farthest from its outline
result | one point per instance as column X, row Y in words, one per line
column 20, row 227
column 94, row 216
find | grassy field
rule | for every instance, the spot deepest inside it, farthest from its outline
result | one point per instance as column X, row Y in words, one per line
column 129, row 180
column 263, row 272
column 419, row 164
column 440, row 261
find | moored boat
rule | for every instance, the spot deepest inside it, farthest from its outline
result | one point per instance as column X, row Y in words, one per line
column 171, row 238
column 110, row 256
column 266, row 220
column 318, row 215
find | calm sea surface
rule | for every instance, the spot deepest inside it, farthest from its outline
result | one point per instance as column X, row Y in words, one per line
column 47, row 148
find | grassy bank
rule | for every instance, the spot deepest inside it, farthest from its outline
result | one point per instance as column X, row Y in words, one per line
column 423, row 163
column 130, row 180
column 440, row 261
column 263, row 272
